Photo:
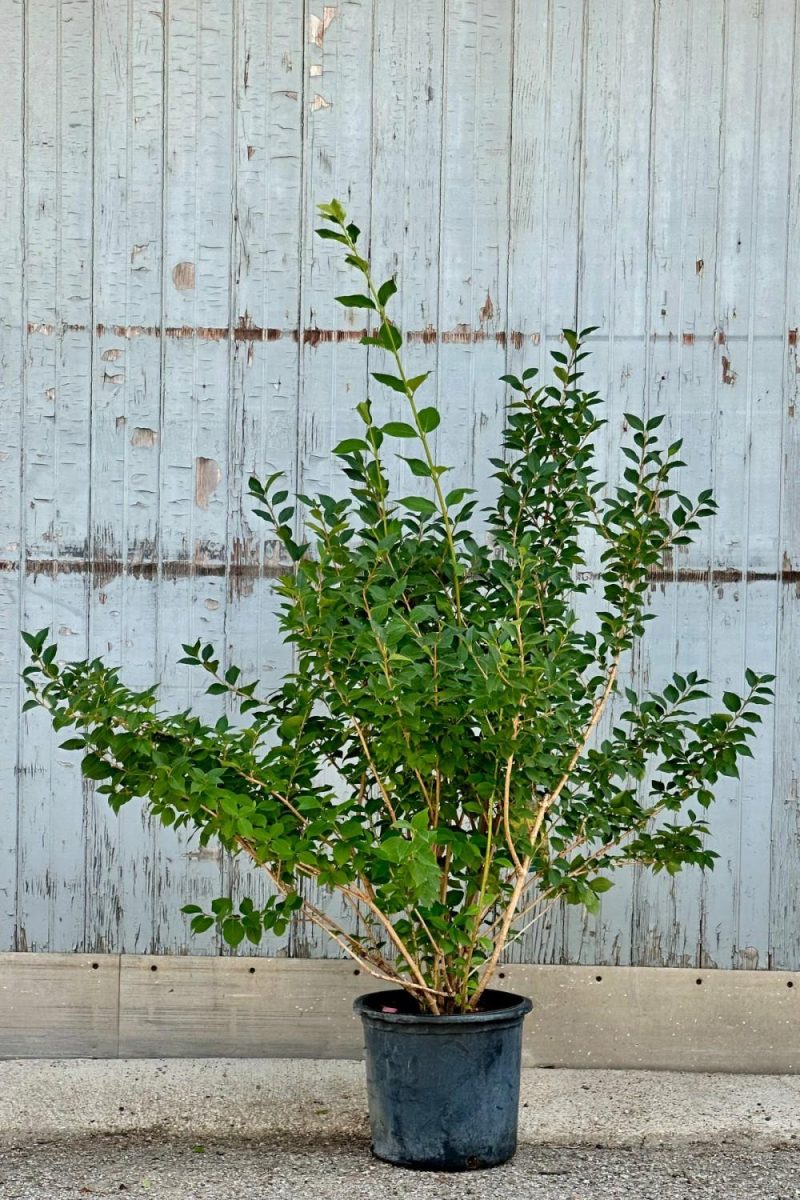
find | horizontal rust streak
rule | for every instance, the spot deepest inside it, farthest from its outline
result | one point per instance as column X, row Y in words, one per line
column 721, row 575
column 245, row 331
column 104, row 569
column 242, row 568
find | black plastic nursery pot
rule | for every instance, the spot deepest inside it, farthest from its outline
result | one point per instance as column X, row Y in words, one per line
column 443, row 1092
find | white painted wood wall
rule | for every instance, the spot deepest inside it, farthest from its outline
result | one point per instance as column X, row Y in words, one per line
column 167, row 328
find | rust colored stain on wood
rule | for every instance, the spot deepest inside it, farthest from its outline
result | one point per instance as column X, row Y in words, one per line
column 244, row 565
column 728, row 375
column 247, row 331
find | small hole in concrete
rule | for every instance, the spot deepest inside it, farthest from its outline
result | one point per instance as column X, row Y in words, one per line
column 502, row 975
column 357, row 971
column 698, row 981
column 790, row 984
column 598, row 978
column 95, row 966
column 154, row 967
column 252, row 970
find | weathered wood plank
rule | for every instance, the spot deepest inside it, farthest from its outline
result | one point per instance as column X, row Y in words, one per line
column 196, row 272
column 269, row 100
column 12, row 355
column 784, row 899
column 56, row 433
column 126, row 432
column 337, row 154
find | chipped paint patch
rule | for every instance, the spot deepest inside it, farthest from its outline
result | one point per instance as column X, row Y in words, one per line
column 317, row 27
column 142, row 436
column 206, row 480
column 183, row 276
column 319, row 102
column 728, row 374
column 113, row 355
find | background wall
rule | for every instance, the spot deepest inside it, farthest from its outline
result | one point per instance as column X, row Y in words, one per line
column 167, row 328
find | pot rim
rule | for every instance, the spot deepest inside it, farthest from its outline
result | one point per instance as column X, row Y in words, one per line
column 513, row 1010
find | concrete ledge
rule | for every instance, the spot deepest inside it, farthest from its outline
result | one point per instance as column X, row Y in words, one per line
column 77, row 1006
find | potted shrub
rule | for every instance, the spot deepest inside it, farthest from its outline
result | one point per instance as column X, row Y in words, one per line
column 442, row 753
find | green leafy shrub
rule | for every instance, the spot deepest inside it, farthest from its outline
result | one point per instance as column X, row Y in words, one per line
column 435, row 755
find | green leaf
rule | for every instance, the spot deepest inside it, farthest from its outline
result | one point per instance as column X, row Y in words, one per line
column 399, row 429
column 457, row 495
column 390, row 381
column 731, row 701
column 201, row 923
column 416, row 382
column 350, row 446
column 429, row 418
column 77, row 743
column 418, row 467
column 333, row 210
column 356, row 301
column 386, row 291
column 331, row 235
column 233, row 931
column 418, row 504
column 94, row 767
column 513, row 382
column 600, row 885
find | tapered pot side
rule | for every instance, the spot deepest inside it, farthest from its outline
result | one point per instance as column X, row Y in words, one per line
column 443, row 1092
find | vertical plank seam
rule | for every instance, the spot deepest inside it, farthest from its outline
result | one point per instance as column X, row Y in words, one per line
column 564, row 951
column 305, row 176
column 748, row 447
column 673, row 947
column 581, row 157
column 150, row 826
column 87, row 789
column 783, row 596
column 21, row 550
column 636, row 664
column 440, row 222
column 226, row 858
column 714, row 426
column 58, row 357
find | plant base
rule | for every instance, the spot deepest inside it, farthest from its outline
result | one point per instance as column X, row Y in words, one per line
column 443, row 1092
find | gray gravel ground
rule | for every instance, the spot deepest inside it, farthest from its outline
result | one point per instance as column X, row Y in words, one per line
column 285, row 1129
column 147, row 1167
